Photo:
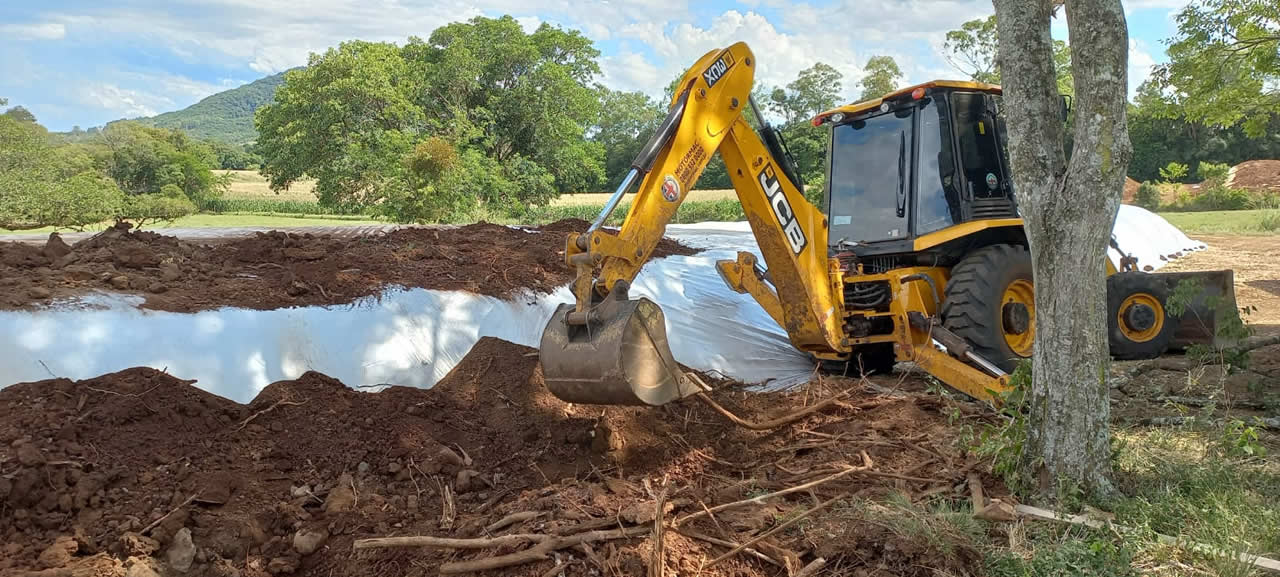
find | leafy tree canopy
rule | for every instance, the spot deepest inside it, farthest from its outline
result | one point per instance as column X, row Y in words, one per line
column 627, row 119
column 971, row 49
column 40, row 187
column 20, row 114
column 510, row 105
column 1224, row 64
column 882, row 76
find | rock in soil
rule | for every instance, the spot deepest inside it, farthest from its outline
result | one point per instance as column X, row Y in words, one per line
column 182, row 551
column 59, row 553
column 306, row 541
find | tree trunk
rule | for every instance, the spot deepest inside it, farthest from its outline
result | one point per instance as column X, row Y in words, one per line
column 1069, row 209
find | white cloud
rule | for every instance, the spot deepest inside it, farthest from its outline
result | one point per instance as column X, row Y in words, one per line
column 35, row 31
column 646, row 43
column 631, row 71
column 780, row 55
column 529, row 23
column 126, row 103
column 1140, row 64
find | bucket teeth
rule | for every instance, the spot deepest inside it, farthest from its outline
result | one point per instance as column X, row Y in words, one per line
column 619, row 357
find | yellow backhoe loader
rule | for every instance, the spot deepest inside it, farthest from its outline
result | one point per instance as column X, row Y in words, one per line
column 918, row 255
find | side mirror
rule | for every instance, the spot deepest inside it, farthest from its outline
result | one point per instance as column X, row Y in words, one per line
column 1064, row 105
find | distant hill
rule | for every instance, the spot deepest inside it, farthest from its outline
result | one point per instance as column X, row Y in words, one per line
column 226, row 116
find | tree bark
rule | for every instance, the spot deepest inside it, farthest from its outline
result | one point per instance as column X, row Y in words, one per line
column 1069, row 209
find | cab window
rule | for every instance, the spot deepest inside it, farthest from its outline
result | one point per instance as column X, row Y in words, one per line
column 937, row 205
column 979, row 148
column 870, row 168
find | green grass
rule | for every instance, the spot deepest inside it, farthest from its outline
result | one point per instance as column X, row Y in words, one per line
column 1186, row 483
column 1262, row 221
column 235, row 220
column 1178, row 482
column 276, row 206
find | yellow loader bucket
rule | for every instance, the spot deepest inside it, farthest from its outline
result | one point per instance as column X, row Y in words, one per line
column 1212, row 307
column 619, row 356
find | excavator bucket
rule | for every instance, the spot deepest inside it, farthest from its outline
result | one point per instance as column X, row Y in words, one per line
column 619, row 356
column 1212, row 306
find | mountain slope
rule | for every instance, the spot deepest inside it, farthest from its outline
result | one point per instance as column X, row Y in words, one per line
column 226, row 116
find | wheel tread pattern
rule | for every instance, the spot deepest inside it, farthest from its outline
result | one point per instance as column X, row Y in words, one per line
column 972, row 304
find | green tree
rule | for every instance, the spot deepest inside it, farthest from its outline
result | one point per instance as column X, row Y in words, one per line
column 346, row 119
column 515, row 94
column 37, row 188
column 1224, row 63
column 143, row 160
column 814, row 90
column 20, row 114
column 513, row 107
column 627, row 119
column 1174, row 172
column 233, row 156
column 972, row 49
column 1162, row 133
column 1148, row 196
column 882, row 76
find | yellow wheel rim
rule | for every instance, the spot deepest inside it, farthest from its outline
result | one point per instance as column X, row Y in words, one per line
column 1141, row 335
column 1020, row 292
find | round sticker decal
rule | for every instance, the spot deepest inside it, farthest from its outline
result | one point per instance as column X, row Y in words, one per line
column 670, row 188
column 992, row 181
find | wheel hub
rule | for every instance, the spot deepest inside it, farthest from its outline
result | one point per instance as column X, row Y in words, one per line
column 1140, row 317
column 1016, row 318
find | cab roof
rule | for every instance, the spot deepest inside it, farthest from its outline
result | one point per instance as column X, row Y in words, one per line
column 865, row 105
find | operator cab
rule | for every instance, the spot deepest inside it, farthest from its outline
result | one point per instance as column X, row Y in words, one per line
column 917, row 162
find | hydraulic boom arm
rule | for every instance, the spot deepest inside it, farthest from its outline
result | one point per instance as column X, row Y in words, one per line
column 608, row 349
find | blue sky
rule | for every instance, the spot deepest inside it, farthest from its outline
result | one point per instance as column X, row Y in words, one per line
column 76, row 62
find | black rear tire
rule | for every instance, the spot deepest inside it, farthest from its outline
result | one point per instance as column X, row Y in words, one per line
column 974, row 306
column 1138, row 322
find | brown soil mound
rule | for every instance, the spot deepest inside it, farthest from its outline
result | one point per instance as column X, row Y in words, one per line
column 1130, row 190
column 1257, row 176
column 139, row 471
column 278, row 269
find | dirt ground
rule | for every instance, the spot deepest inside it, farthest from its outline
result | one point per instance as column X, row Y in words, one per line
column 140, row 472
column 277, row 269
column 1244, row 391
column 1257, row 273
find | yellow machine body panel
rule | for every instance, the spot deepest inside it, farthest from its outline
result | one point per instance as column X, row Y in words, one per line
column 866, row 105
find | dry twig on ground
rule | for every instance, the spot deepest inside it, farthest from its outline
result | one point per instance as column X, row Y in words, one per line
column 545, row 544
column 273, row 407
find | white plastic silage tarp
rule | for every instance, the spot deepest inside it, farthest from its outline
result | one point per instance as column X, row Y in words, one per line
column 408, row 337
column 1149, row 237
column 414, row 337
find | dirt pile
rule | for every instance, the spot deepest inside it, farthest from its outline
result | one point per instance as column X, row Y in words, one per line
column 278, row 269
column 1260, row 176
column 1130, row 194
column 139, row 473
